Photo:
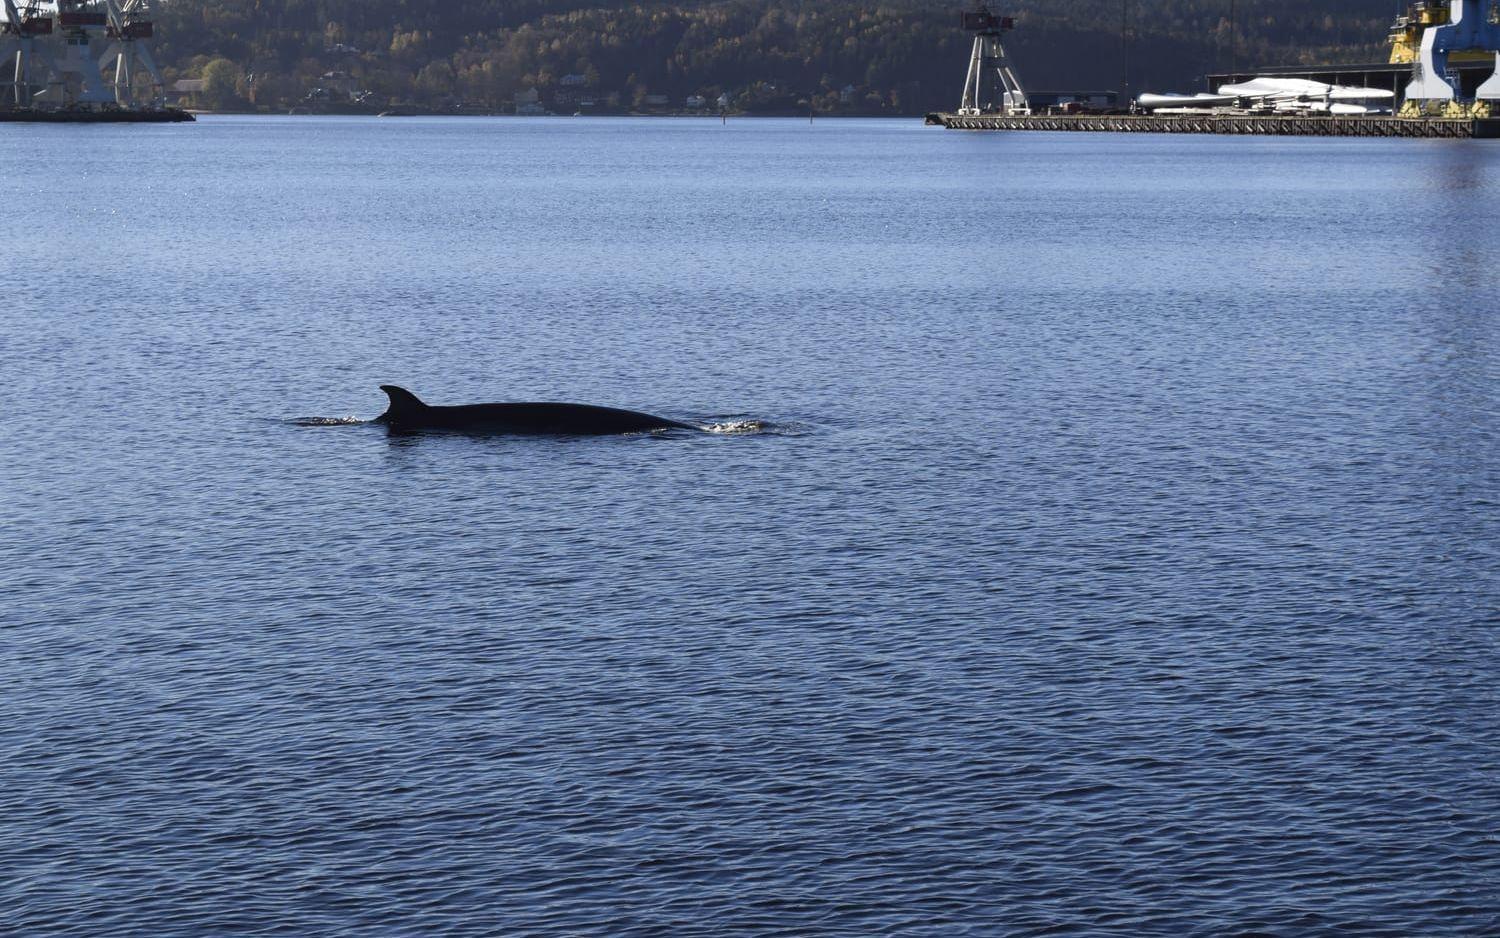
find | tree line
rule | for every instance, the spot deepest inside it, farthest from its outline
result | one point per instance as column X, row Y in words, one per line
column 897, row 56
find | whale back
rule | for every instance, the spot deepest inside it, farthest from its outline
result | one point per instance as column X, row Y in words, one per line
column 408, row 413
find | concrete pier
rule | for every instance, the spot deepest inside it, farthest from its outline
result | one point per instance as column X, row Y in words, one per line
column 27, row 115
column 1301, row 125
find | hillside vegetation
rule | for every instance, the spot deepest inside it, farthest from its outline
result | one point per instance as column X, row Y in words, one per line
column 901, row 56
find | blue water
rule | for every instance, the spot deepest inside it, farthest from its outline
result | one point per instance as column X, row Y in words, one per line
column 1108, row 542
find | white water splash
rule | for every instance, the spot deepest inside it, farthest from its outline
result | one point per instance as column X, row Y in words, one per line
column 737, row 427
column 326, row 421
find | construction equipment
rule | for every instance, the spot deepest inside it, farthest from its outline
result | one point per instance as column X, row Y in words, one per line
column 991, row 86
column 1448, row 29
column 78, row 57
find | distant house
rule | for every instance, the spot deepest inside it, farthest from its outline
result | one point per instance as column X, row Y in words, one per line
column 529, row 103
column 655, row 100
column 531, row 109
column 339, row 84
column 848, row 94
column 185, row 88
column 724, row 101
column 695, row 101
column 572, row 81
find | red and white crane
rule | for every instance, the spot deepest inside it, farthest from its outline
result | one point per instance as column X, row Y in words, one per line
column 78, row 56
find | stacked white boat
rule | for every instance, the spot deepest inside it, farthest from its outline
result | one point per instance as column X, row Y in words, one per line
column 1275, row 96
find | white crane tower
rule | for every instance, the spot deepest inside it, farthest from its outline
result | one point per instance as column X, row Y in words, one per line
column 991, row 84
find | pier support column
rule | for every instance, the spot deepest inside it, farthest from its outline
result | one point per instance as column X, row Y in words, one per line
column 1490, row 90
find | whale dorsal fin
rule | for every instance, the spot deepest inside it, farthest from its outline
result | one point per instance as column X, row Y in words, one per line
column 403, row 402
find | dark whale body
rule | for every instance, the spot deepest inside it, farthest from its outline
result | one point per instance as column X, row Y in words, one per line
column 407, row 413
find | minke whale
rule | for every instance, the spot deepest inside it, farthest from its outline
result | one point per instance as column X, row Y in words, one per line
column 407, row 413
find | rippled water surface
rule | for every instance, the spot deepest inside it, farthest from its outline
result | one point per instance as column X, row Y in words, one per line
column 1109, row 543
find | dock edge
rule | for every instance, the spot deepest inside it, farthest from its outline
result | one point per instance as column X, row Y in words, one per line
column 1264, row 125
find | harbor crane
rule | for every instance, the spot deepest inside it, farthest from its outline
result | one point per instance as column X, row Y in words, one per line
column 991, row 85
column 71, row 71
column 1457, row 26
column 18, row 49
column 1467, row 28
column 130, row 27
column 78, row 56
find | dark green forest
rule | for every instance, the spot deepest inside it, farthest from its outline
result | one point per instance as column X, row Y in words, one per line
column 900, row 56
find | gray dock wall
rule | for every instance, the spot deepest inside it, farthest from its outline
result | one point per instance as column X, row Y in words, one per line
column 1278, row 125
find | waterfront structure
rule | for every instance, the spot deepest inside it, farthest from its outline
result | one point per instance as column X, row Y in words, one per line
column 1455, row 27
column 84, row 60
column 1445, row 84
column 1455, row 80
column 1299, row 125
column 991, row 84
column 1444, row 59
column 1263, row 95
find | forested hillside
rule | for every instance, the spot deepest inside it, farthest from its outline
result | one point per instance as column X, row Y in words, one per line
column 900, row 56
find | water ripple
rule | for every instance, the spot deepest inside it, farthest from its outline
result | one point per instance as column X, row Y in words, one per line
column 1053, row 596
